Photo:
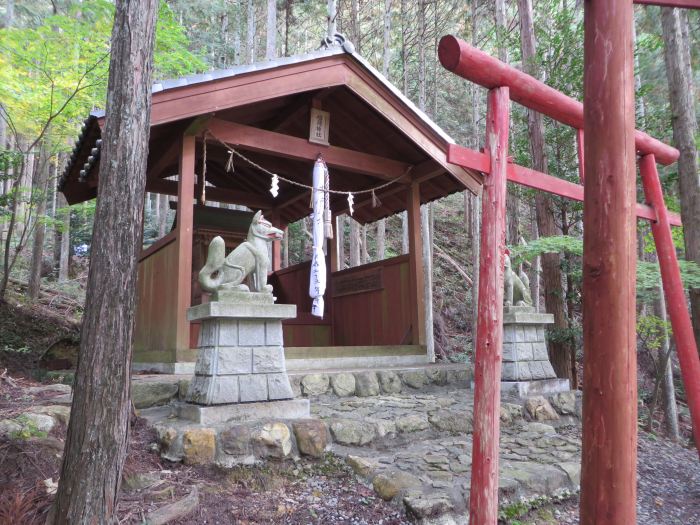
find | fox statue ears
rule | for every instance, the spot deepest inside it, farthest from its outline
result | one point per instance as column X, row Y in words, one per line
column 257, row 216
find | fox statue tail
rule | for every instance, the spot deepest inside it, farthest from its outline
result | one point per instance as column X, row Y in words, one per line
column 215, row 263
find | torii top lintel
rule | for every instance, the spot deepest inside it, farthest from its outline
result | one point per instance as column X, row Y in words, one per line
column 483, row 69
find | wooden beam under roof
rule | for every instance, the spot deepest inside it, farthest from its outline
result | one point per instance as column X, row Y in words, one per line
column 244, row 198
column 280, row 145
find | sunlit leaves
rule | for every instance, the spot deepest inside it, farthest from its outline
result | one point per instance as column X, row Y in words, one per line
column 57, row 71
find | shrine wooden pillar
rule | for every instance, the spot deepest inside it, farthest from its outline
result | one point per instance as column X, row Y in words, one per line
column 184, row 229
column 415, row 254
column 483, row 496
column 674, row 292
column 276, row 263
column 609, row 455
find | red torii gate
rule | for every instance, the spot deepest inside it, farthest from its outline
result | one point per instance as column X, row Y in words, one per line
column 608, row 483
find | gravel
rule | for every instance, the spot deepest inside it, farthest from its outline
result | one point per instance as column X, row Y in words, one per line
column 668, row 486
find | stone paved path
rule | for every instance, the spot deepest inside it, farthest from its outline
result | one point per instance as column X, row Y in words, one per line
column 415, row 448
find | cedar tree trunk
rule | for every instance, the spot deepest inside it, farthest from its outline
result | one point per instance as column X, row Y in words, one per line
column 560, row 352
column 681, row 94
column 98, row 431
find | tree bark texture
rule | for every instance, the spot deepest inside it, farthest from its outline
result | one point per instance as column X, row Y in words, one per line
column 475, row 206
column 340, row 233
column 332, row 14
column 381, row 240
column 386, row 52
column 164, row 208
column 682, row 98
column 250, row 37
column 98, row 430
column 427, row 280
column 271, row 47
column 64, row 257
column 666, row 370
column 354, row 243
column 40, row 192
column 560, row 351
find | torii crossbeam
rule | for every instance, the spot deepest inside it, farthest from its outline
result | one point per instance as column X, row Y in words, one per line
column 607, row 116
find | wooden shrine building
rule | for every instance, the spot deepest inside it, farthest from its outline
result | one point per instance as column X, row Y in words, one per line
column 374, row 314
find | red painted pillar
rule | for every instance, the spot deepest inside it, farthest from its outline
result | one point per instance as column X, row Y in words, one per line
column 609, row 455
column 676, row 302
column 483, row 500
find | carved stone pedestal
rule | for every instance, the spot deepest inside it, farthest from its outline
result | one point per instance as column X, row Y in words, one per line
column 526, row 368
column 241, row 355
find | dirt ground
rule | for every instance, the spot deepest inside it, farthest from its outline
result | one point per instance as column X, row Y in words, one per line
column 308, row 491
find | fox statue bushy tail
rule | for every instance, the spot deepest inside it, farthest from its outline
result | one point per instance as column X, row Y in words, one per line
column 215, row 260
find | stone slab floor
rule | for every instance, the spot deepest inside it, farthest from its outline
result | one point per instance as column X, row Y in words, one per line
column 415, row 448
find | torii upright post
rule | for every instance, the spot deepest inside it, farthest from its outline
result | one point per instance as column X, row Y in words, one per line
column 609, row 456
column 483, row 495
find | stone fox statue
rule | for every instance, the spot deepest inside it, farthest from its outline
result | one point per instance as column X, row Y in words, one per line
column 248, row 258
column 517, row 287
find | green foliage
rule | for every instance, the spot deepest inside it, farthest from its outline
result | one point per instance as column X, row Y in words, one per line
column 28, row 430
column 652, row 331
column 648, row 276
column 56, row 71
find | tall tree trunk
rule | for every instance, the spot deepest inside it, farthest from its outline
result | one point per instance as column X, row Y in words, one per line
column 666, row 372
column 288, row 16
column 535, row 269
column 39, row 192
column 425, row 210
column 475, row 205
column 355, row 24
column 271, row 47
column 8, row 258
column 560, row 351
column 250, row 40
column 340, row 232
column 386, row 62
column 381, row 239
column 386, row 50
column 64, row 257
column 98, row 431
column 354, row 243
column 364, row 253
column 512, row 203
column 332, row 17
column 682, row 98
column 164, row 205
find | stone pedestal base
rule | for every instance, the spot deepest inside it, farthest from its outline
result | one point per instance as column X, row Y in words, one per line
column 211, row 415
column 526, row 369
column 542, row 387
column 241, row 357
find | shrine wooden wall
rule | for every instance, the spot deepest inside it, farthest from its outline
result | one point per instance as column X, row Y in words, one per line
column 366, row 305
column 156, row 310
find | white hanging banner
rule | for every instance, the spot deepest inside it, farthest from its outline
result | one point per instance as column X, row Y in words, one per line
column 317, row 279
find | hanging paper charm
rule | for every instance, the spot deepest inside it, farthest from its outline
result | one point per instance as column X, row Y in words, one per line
column 275, row 187
column 229, row 162
column 317, row 279
column 351, row 203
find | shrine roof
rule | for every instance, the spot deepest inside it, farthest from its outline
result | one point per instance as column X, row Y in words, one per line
column 371, row 121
